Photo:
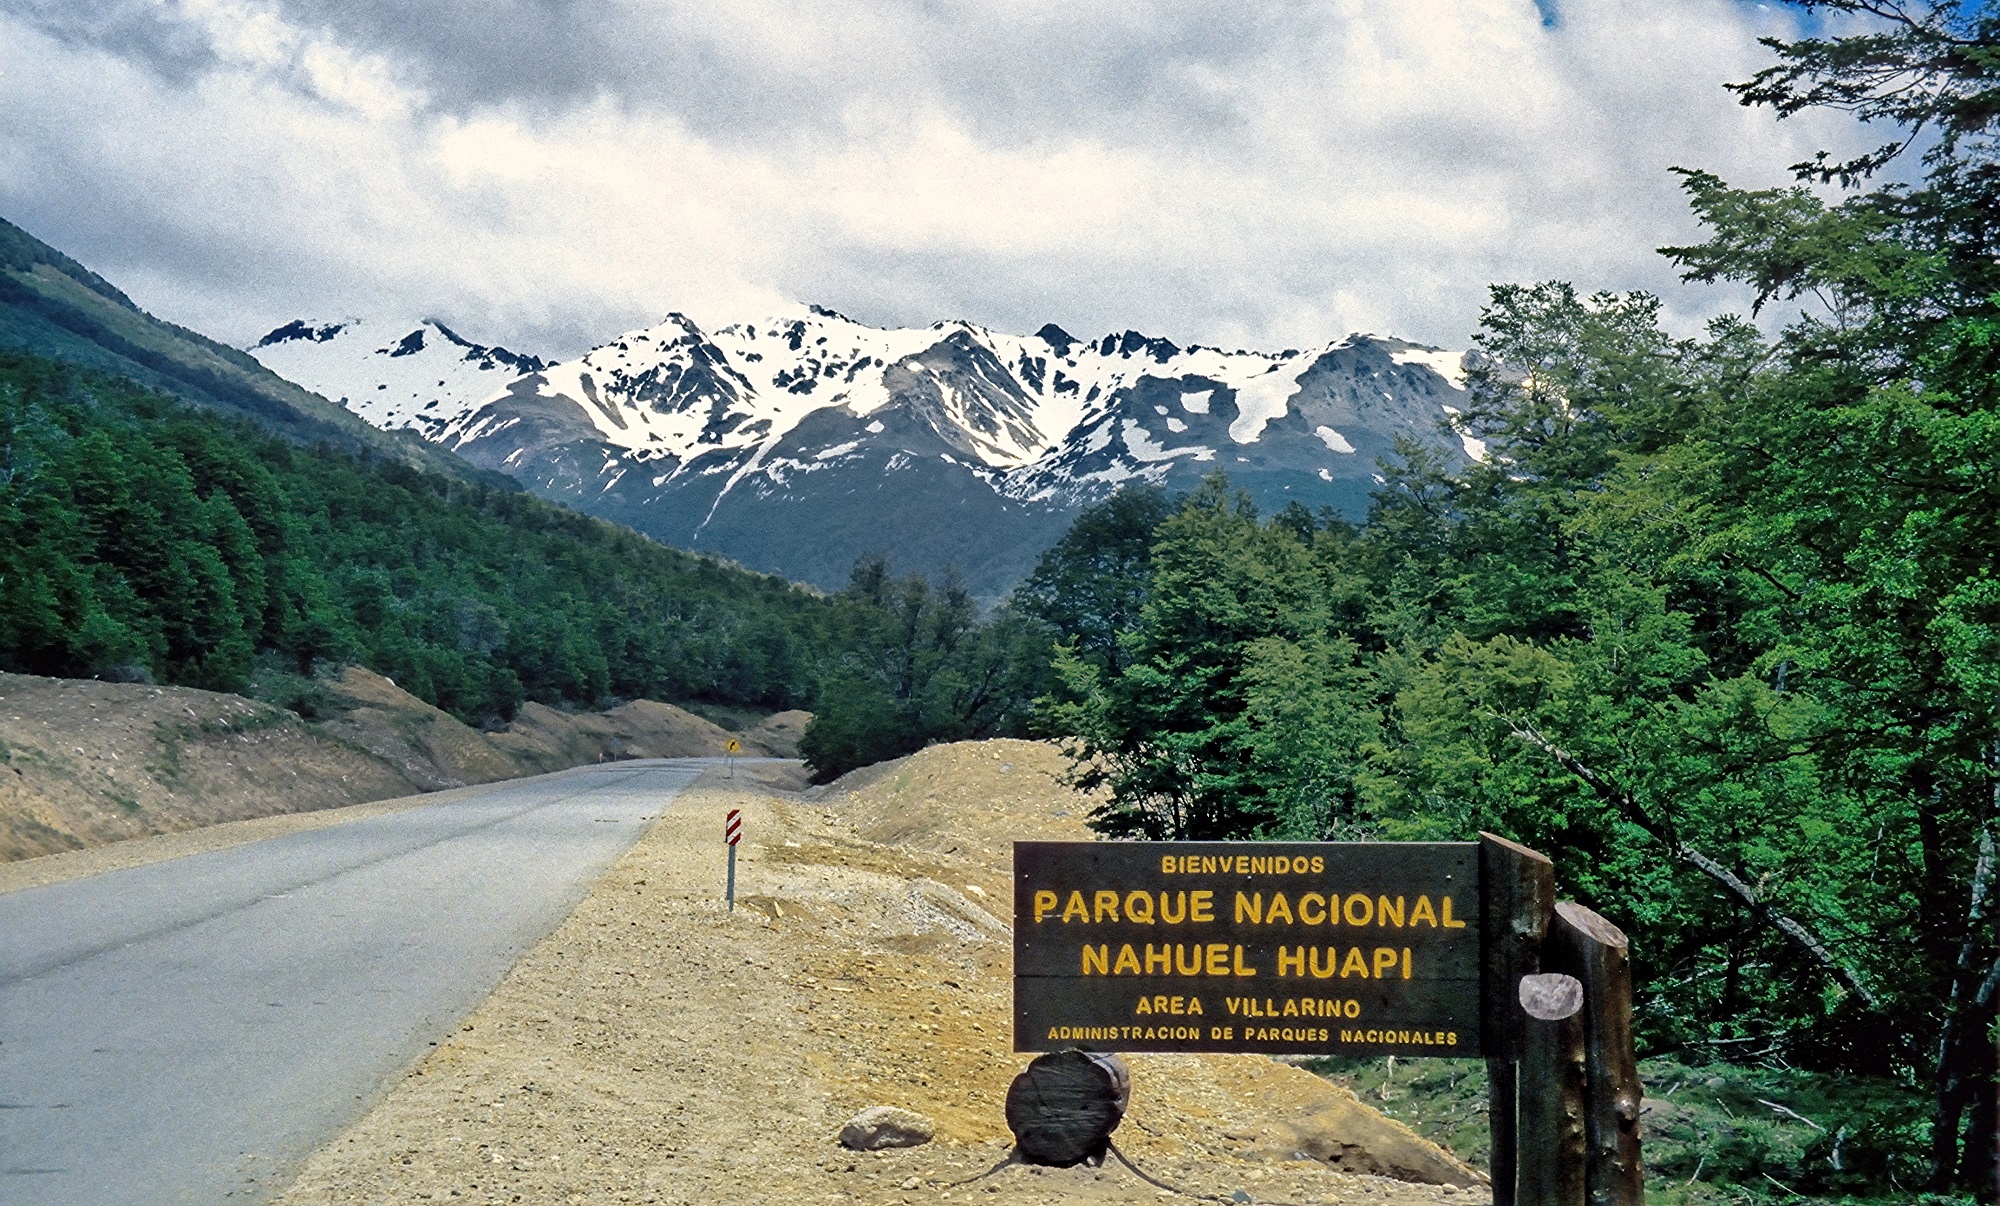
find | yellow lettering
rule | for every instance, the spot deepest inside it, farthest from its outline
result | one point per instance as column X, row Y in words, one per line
column 1388, row 914
column 1218, row 958
column 1278, row 908
column 1319, row 865
column 1311, row 900
column 1406, row 963
column 1423, row 913
column 1076, row 906
column 1260, row 866
column 1201, row 907
column 1254, row 906
column 1163, row 958
column 1365, row 915
column 1291, row 1009
column 1126, row 958
column 1138, row 908
column 1045, row 903
column 1242, row 864
column 1332, row 959
column 1385, row 961
column 1146, row 1005
column 1187, row 967
column 1355, row 964
column 1168, row 864
column 1241, row 970
column 1171, row 916
column 1097, row 959
column 1107, row 902
column 1292, row 962
column 1194, row 1005
column 1448, row 922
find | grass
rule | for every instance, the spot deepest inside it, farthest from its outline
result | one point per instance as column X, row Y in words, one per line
column 1713, row 1134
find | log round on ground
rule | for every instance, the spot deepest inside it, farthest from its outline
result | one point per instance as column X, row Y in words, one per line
column 1063, row 1107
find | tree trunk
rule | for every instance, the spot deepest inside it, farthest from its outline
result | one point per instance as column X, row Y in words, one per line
column 1064, row 1106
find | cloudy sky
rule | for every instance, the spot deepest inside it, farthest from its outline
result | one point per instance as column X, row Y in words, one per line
column 547, row 173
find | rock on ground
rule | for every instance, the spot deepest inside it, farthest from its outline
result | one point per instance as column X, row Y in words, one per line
column 879, row 1126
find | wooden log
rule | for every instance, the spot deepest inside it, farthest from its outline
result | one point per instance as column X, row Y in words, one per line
column 1586, row 946
column 1063, row 1107
column 1517, row 894
column 1553, row 1169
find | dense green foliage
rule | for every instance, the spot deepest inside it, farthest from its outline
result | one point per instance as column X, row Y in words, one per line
column 140, row 538
column 909, row 663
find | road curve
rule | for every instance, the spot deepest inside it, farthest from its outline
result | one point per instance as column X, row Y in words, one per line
column 189, row 1031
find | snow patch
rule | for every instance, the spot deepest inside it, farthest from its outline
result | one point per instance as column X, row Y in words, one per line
column 1261, row 399
column 1333, row 439
column 1449, row 365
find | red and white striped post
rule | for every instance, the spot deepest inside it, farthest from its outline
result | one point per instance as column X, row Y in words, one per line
column 732, row 833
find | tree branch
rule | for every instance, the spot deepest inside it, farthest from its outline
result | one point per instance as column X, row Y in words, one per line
column 1745, row 893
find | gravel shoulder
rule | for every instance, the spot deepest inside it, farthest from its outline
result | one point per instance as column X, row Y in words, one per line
column 658, row 1048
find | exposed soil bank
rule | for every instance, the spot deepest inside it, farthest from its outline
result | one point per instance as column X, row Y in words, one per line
column 86, row 763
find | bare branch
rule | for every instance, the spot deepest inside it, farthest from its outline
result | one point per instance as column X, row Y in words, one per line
column 1745, row 893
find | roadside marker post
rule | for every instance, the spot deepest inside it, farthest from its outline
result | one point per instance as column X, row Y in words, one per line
column 732, row 833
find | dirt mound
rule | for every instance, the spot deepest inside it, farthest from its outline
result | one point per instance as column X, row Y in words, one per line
column 428, row 747
column 778, row 735
column 659, row 1048
column 546, row 739
column 83, row 763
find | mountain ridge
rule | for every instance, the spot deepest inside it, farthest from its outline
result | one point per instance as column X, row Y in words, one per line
column 800, row 441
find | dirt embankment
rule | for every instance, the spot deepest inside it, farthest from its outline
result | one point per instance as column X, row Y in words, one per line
column 657, row 1048
column 84, row 763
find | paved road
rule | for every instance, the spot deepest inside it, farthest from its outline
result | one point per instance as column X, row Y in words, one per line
column 189, row 1031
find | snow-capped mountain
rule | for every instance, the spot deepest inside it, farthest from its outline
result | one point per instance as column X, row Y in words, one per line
column 799, row 442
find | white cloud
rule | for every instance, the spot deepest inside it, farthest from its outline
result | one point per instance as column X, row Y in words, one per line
column 1267, row 177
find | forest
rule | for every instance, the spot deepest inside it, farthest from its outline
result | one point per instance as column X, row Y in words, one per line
column 145, row 540
column 1714, row 622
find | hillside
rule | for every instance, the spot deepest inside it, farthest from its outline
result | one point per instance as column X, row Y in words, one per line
column 658, row 1048
column 53, row 306
column 159, row 543
column 85, row 764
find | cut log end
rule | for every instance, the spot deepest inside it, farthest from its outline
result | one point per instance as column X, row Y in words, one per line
column 1551, row 997
column 1063, row 1107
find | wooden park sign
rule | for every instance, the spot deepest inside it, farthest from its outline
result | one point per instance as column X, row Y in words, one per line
column 1338, row 948
column 1288, row 948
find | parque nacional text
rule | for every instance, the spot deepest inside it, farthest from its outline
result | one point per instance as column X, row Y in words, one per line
column 1303, row 948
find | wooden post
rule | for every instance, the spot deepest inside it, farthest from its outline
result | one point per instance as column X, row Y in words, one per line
column 1064, row 1106
column 1517, row 890
column 1552, row 1109
column 1593, row 950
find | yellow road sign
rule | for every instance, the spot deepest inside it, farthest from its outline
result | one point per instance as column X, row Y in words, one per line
column 731, row 746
